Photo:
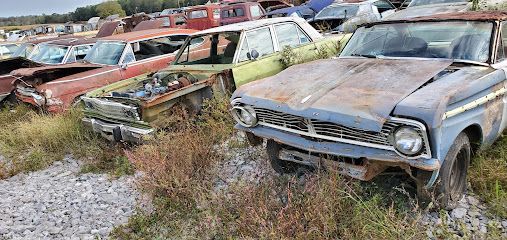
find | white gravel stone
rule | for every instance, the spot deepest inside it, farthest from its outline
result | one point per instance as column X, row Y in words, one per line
column 60, row 203
column 458, row 213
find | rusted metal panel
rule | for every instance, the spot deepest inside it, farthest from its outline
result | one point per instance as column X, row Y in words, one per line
column 359, row 93
column 108, row 29
column 149, row 24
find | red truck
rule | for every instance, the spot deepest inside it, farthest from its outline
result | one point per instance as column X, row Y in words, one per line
column 57, row 88
column 203, row 17
column 240, row 12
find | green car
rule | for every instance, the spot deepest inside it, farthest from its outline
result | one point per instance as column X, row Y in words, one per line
column 221, row 58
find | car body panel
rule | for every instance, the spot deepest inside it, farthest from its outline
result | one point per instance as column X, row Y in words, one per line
column 428, row 10
column 212, row 18
column 225, row 19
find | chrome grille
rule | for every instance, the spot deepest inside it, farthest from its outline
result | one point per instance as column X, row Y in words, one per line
column 111, row 109
column 330, row 131
column 26, row 91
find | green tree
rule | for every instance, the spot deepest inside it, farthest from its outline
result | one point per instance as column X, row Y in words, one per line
column 109, row 8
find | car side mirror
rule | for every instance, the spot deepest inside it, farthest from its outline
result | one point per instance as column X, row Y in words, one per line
column 253, row 55
column 124, row 66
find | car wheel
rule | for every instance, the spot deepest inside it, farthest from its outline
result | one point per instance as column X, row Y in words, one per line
column 280, row 166
column 452, row 180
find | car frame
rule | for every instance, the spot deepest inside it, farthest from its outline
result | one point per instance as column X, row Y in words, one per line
column 361, row 120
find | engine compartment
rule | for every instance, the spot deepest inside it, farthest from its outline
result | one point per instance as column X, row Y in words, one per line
column 157, row 85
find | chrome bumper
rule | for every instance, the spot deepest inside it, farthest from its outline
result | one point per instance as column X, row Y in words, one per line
column 117, row 132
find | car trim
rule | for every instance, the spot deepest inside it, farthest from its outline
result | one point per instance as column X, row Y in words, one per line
column 476, row 103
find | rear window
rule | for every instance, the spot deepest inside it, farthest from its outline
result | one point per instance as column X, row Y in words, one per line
column 235, row 12
column 198, row 14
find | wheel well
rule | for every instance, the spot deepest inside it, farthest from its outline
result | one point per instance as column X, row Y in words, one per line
column 474, row 133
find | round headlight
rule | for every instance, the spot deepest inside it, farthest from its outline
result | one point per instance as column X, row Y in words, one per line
column 407, row 140
column 245, row 115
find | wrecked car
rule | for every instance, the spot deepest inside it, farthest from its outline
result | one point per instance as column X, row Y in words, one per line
column 346, row 16
column 111, row 59
column 240, row 12
column 420, row 95
column 222, row 58
column 40, row 53
column 421, row 8
column 306, row 10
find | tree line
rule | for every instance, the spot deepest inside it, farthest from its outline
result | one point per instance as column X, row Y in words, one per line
column 121, row 7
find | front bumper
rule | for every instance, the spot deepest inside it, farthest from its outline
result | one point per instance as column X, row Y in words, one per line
column 117, row 132
column 373, row 155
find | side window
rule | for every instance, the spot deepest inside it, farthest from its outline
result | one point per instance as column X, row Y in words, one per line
column 255, row 11
column 158, row 46
column 302, row 37
column 179, row 20
column 198, row 14
column 287, row 35
column 81, row 51
column 72, row 56
column 129, row 55
column 259, row 40
column 501, row 54
column 235, row 12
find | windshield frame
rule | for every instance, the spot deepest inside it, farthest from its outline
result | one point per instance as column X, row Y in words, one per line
column 492, row 42
column 65, row 56
column 186, row 45
column 120, row 60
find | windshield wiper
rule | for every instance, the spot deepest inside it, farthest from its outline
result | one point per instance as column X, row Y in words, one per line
column 363, row 55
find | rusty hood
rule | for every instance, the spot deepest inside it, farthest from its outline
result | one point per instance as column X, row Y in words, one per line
column 10, row 64
column 355, row 92
column 65, row 69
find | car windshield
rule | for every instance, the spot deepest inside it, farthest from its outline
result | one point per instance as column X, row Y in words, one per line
column 106, row 53
column 49, row 54
column 338, row 11
column 415, row 3
column 460, row 40
column 24, row 50
column 217, row 48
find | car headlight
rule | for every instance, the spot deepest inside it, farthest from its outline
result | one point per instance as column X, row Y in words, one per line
column 38, row 99
column 407, row 140
column 244, row 115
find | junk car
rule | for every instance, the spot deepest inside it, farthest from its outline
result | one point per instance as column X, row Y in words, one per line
column 346, row 16
column 221, row 58
column 306, row 10
column 41, row 53
column 175, row 20
column 241, row 12
column 203, row 17
column 420, row 8
column 7, row 49
column 114, row 58
column 421, row 95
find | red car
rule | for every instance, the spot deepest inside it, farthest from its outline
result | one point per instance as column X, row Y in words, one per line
column 114, row 58
column 203, row 17
column 240, row 12
column 39, row 53
column 177, row 20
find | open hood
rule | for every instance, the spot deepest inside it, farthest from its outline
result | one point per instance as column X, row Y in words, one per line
column 48, row 73
column 11, row 64
column 355, row 92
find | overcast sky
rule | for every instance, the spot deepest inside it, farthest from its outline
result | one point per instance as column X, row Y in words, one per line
column 10, row 8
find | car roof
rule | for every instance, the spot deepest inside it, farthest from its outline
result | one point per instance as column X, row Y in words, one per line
column 72, row 41
column 466, row 16
column 249, row 25
column 234, row 4
column 138, row 35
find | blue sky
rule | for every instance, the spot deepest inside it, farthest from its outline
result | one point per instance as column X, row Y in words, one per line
column 10, row 8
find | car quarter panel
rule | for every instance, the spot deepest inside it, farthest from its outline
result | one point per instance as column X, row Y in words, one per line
column 433, row 103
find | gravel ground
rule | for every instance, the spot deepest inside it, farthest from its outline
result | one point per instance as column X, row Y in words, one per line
column 61, row 203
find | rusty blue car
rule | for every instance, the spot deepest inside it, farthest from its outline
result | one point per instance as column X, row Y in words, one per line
column 419, row 95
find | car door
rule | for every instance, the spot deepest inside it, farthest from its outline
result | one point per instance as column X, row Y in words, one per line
column 151, row 55
column 289, row 34
column 501, row 62
column 267, row 64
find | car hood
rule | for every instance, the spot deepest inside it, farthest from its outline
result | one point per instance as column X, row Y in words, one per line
column 10, row 64
column 80, row 67
column 355, row 92
column 427, row 10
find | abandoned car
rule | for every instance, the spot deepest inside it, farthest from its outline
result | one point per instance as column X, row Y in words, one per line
column 7, row 49
column 306, row 10
column 225, row 58
column 114, row 58
column 241, row 12
column 420, row 94
column 41, row 53
column 421, row 8
column 203, row 17
column 346, row 16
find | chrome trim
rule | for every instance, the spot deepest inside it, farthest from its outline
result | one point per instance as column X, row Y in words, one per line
column 423, row 132
column 478, row 102
column 111, row 108
column 106, row 130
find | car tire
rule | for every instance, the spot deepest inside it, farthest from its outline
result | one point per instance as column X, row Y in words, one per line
column 280, row 166
column 253, row 140
column 452, row 179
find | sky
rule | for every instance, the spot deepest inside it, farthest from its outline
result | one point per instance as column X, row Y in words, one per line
column 10, row 8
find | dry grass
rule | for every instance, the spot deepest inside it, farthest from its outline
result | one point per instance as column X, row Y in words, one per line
column 488, row 176
column 179, row 173
column 30, row 141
